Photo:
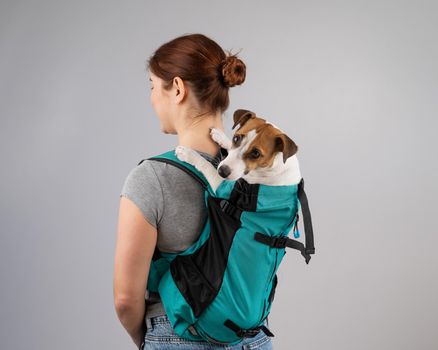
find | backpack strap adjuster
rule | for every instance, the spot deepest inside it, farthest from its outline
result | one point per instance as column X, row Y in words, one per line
column 230, row 209
column 309, row 251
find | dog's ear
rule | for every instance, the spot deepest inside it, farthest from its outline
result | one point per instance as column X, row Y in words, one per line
column 284, row 144
column 241, row 116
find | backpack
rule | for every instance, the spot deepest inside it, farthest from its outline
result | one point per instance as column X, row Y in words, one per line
column 221, row 288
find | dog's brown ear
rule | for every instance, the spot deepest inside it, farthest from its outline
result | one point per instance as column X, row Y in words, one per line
column 241, row 116
column 284, row 144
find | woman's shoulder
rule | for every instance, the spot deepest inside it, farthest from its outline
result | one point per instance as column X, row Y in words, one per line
column 142, row 173
column 142, row 186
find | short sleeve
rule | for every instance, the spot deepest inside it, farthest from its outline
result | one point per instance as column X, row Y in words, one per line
column 143, row 187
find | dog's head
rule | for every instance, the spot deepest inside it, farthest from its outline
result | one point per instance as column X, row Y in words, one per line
column 255, row 144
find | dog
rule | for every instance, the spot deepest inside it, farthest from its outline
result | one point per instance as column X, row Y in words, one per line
column 259, row 152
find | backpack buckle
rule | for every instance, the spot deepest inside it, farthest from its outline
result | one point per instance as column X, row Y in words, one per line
column 230, row 209
column 224, row 205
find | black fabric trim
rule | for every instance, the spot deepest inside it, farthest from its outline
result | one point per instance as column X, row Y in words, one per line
column 199, row 276
column 244, row 195
column 272, row 293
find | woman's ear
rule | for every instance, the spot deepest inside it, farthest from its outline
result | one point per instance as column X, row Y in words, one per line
column 179, row 88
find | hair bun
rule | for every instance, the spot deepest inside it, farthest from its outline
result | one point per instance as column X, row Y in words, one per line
column 233, row 71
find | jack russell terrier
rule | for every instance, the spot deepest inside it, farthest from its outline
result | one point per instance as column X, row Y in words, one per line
column 259, row 152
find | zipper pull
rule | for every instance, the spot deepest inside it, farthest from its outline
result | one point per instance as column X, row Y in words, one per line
column 296, row 231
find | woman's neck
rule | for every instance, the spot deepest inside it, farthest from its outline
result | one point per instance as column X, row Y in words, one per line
column 196, row 135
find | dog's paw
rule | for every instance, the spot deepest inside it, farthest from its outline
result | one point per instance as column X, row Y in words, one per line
column 181, row 153
column 217, row 135
column 184, row 153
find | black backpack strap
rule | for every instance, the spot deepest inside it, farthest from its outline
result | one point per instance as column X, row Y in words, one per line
column 247, row 333
column 310, row 247
column 182, row 167
column 284, row 241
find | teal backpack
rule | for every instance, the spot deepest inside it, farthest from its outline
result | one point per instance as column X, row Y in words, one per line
column 221, row 288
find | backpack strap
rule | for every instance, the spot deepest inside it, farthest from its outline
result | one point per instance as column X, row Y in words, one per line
column 182, row 167
column 247, row 333
column 284, row 241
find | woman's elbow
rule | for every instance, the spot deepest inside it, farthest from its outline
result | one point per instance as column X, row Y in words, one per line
column 124, row 305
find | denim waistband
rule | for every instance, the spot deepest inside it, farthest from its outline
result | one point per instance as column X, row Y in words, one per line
column 159, row 319
column 153, row 310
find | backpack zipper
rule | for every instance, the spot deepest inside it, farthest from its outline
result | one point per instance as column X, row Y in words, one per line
column 269, row 283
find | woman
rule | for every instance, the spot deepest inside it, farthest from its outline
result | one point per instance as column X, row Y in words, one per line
column 161, row 205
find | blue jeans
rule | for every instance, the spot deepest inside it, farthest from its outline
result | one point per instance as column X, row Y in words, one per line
column 160, row 336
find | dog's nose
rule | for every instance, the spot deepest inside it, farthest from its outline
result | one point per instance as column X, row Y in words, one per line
column 224, row 171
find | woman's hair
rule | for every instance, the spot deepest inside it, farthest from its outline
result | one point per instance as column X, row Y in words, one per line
column 202, row 64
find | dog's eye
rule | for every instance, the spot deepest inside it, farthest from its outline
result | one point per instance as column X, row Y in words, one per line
column 255, row 153
column 236, row 138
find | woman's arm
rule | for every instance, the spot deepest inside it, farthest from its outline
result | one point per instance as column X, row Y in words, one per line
column 136, row 241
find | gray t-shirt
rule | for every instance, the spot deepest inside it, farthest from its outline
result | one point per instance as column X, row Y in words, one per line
column 173, row 202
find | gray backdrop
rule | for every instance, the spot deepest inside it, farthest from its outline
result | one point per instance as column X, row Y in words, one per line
column 354, row 83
